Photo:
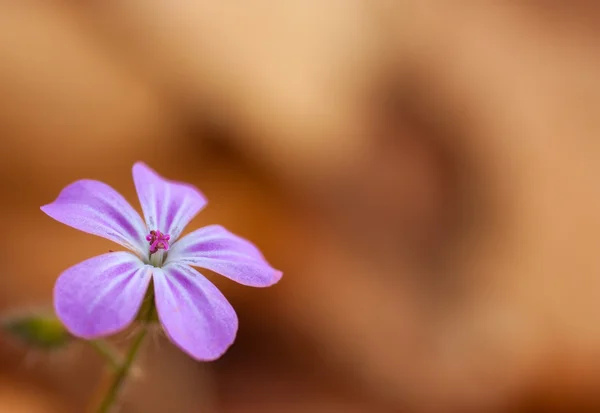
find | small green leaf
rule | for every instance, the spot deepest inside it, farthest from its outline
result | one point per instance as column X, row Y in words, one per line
column 147, row 312
column 41, row 330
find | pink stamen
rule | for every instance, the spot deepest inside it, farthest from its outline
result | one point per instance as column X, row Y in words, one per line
column 158, row 241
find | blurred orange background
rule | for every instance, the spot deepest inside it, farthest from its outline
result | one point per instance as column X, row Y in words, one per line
column 424, row 173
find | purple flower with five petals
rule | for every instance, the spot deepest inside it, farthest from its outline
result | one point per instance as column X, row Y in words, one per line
column 102, row 295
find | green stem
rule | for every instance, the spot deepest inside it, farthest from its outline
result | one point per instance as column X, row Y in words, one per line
column 111, row 355
column 123, row 370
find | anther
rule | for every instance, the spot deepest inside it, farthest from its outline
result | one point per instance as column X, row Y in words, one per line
column 158, row 241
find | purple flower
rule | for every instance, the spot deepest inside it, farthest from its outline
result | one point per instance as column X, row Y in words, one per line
column 102, row 295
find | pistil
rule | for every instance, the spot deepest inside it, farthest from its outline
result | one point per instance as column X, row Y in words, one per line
column 159, row 245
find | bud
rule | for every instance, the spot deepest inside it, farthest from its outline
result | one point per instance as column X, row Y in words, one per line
column 39, row 330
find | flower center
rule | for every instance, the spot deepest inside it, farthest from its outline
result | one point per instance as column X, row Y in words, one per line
column 158, row 241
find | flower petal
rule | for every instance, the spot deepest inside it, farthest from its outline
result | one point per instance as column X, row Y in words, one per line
column 193, row 312
column 219, row 250
column 96, row 208
column 168, row 205
column 102, row 295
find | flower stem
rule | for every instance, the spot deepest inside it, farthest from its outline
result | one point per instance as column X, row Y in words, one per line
column 121, row 374
column 111, row 355
column 124, row 369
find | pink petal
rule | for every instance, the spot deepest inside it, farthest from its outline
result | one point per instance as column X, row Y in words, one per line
column 193, row 312
column 96, row 208
column 102, row 295
column 168, row 205
column 219, row 250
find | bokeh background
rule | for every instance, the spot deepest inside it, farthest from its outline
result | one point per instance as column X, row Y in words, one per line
column 425, row 173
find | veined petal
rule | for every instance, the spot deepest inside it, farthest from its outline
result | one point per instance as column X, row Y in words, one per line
column 168, row 205
column 102, row 295
column 193, row 312
column 215, row 248
column 96, row 208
